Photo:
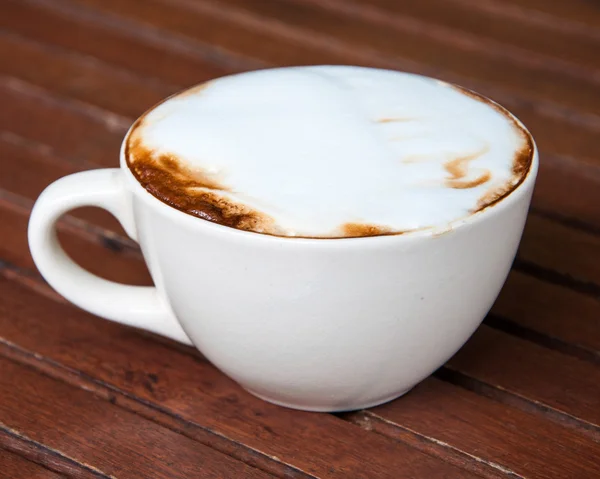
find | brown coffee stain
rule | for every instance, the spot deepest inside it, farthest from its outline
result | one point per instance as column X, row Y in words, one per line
column 521, row 167
column 354, row 230
column 523, row 157
column 192, row 191
column 458, row 169
column 466, row 184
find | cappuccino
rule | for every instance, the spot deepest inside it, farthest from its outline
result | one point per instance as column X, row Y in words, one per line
column 329, row 152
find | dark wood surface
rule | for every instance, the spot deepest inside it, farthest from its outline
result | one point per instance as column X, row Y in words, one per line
column 83, row 397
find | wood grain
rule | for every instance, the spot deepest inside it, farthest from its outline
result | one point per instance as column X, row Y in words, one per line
column 83, row 397
column 562, row 249
column 78, row 77
column 181, row 385
column 146, row 52
column 501, row 27
column 296, row 45
column 74, row 130
column 97, row 253
column 308, row 28
column 13, row 466
column 565, row 319
column 581, row 11
column 567, row 189
column 47, row 458
column 554, row 382
column 509, row 440
column 100, row 436
column 28, row 167
column 391, row 42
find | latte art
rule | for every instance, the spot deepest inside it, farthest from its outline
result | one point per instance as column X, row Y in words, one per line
column 329, row 151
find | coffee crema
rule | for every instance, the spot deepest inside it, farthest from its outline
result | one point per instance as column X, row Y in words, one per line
column 329, row 152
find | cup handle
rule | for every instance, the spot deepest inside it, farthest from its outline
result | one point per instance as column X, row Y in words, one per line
column 138, row 306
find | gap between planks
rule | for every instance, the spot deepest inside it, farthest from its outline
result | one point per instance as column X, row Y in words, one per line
column 49, row 458
column 427, row 444
column 512, row 399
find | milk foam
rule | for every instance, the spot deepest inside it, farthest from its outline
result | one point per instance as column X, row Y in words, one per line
column 317, row 148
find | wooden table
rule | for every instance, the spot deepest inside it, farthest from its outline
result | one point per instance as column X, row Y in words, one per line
column 83, row 397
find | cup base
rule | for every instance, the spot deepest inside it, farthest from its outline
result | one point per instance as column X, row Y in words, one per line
column 317, row 408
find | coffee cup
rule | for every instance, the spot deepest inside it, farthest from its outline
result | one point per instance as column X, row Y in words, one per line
column 319, row 324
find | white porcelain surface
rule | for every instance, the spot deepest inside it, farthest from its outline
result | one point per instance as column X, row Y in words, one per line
column 316, row 324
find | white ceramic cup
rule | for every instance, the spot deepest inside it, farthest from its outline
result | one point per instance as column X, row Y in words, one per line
column 314, row 324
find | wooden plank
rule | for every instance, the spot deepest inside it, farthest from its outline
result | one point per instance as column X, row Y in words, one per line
column 28, row 167
column 581, row 11
column 125, row 364
column 528, row 79
column 292, row 20
column 521, row 371
column 149, row 55
column 510, row 29
column 100, row 255
column 13, row 466
column 562, row 249
column 552, row 315
column 47, row 458
column 73, row 130
column 569, row 188
column 563, row 132
column 462, row 422
column 101, row 436
column 78, row 77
